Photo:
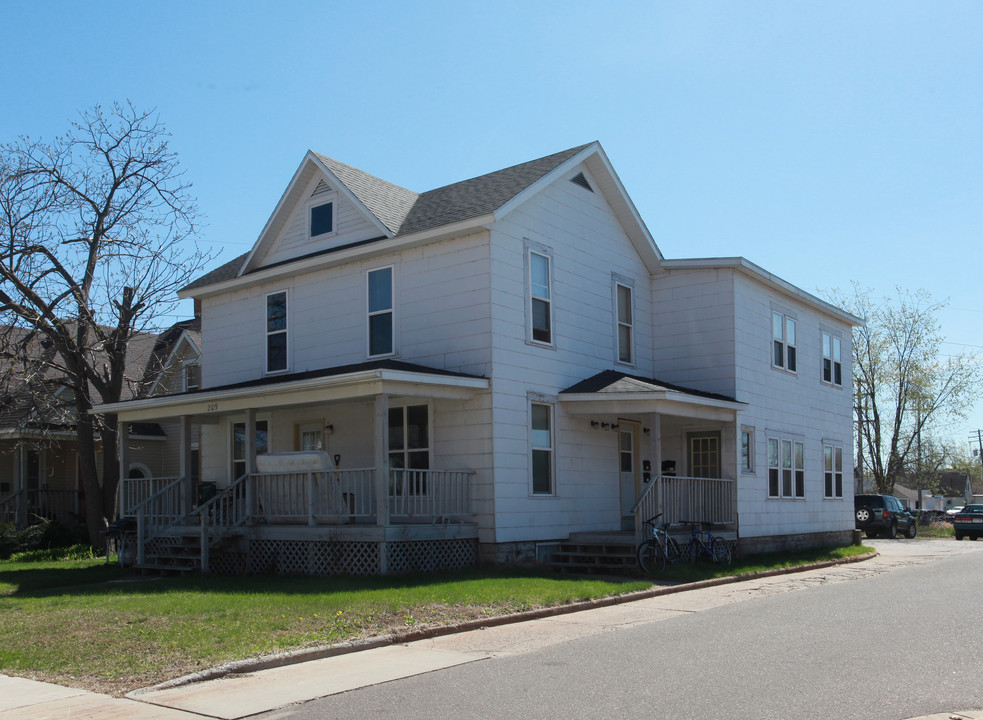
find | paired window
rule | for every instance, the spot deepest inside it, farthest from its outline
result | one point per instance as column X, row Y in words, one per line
column 276, row 332
column 322, row 219
column 239, row 445
column 832, row 365
column 833, row 471
column 747, row 450
column 625, row 324
column 783, row 335
column 409, row 447
column 540, row 303
column 380, row 288
column 786, row 468
column 541, row 420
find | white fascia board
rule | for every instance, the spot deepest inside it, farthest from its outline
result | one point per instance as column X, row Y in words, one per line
column 300, row 392
column 346, row 255
column 756, row 272
column 651, row 397
column 597, row 162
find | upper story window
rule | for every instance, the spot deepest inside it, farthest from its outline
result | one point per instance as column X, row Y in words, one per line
column 192, row 376
column 322, row 219
column 381, row 326
column 783, row 335
column 832, row 365
column 276, row 332
column 626, row 337
column 786, row 468
column 541, row 305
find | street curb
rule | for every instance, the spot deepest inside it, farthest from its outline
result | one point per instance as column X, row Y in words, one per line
column 238, row 667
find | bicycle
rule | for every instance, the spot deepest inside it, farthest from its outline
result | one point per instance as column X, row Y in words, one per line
column 658, row 548
column 703, row 543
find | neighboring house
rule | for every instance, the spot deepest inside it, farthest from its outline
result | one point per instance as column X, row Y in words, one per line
column 39, row 470
column 484, row 369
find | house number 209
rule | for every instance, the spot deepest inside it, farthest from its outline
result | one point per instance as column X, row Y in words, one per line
column 212, row 407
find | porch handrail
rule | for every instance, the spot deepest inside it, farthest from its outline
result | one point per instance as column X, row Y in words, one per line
column 312, row 495
column 429, row 493
column 11, row 505
column 680, row 498
column 226, row 510
column 156, row 512
column 134, row 491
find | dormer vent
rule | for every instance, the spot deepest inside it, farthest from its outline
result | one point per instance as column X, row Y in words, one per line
column 579, row 179
column 322, row 187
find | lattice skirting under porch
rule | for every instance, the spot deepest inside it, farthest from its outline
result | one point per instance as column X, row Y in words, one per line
column 312, row 557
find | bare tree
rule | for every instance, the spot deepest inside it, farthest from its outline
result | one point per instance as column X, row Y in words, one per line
column 906, row 390
column 97, row 235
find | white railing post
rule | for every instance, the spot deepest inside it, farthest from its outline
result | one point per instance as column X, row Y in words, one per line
column 141, row 534
column 310, row 498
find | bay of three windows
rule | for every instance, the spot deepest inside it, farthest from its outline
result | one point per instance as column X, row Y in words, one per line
column 786, row 468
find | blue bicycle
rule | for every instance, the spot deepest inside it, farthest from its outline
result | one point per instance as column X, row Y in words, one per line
column 702, row 543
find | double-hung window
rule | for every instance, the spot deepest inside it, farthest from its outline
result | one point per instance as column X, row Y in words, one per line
column 540, row 302
column 276, row 332
column 747, row 449
column 833, row 471
column 322, row 219
column 832, row 365
column 239, row 445
column 626, row 352
column 381, row 326
column 192, row 376
column 783, row 341
column 786, row 468
column 409, row 448
column 541, row 421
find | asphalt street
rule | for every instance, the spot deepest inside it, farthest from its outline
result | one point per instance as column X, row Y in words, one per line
column 855, row 642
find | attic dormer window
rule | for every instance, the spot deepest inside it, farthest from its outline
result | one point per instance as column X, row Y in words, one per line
column 322, row 219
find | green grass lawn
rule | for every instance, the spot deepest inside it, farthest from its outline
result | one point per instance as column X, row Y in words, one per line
column 74, row 622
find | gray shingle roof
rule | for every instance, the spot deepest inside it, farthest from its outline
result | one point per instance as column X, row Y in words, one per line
column 404, row 212
column 615, row 381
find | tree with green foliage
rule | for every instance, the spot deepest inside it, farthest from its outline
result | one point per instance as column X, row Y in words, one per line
column 96, row 236
column 906, row 390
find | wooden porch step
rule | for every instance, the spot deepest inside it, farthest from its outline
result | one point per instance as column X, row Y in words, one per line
column 613, row 557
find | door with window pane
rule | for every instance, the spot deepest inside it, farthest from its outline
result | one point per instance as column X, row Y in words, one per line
column 409, row 447
column 704, row 455
column 628, row 467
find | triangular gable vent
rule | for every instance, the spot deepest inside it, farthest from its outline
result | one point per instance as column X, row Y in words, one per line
column 322, row 187
column 579, row 179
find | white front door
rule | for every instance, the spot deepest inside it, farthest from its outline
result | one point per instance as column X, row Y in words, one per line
column 628, row 468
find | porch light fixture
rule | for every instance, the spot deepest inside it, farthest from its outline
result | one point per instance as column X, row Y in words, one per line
column 594, row 423
column 647, row 431
column 329, row 429
column 605, row 426
column 614, row 426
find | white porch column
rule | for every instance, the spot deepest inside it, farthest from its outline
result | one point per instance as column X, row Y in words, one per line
column 381, row 449
column 123, row 449
column 251, row 509
column 187, row 491
column 656, row 440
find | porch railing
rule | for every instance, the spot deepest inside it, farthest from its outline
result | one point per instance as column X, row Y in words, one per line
column 156, row 512
column 313, row 497
column 134, row 491
column 687, row 498
column 429, row 493
column 225, row 511
column 10, row 507
column 22, row 506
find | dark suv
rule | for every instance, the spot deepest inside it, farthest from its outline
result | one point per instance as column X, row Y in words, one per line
column 883, row 514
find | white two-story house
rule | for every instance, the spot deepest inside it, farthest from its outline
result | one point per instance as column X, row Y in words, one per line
column 392, row 380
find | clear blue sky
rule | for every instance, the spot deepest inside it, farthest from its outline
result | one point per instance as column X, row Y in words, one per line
column 827, row 142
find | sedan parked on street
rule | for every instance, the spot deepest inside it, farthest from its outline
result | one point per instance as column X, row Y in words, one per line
column 968, row 522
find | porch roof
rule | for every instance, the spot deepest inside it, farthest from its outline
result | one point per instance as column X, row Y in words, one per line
column 389, row 377
column 613, row 391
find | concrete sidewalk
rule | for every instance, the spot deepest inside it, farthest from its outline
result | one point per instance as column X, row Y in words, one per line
column 250, row 691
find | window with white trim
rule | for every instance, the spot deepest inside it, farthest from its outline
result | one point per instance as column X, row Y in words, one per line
column 747, row 449
column 192, row 376
column 409, row 448
column 381, row 325
column 832, row 365
column 833, row 471
column 322, row 219
column 541, row 426
column 783, row 341
column 626, row 351
column 276, row 332
column 786, row 468
column 239, row 445
column 540, row 298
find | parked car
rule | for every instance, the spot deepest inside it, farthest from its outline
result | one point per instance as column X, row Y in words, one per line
column 968, row 522
column 883, row 514
column 953, row 511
